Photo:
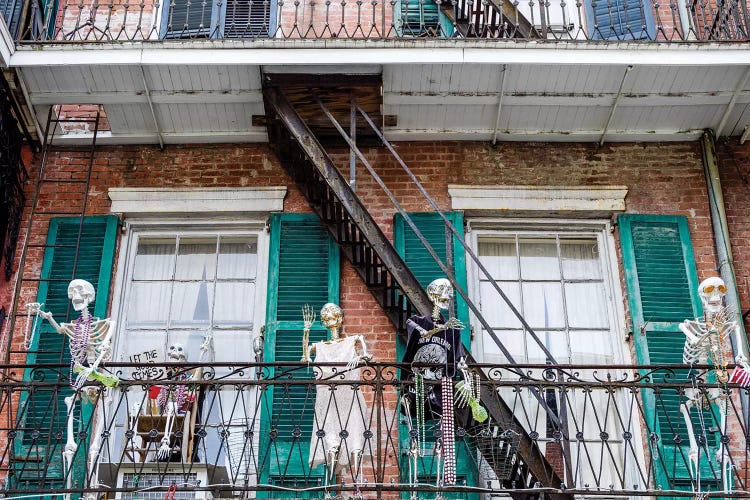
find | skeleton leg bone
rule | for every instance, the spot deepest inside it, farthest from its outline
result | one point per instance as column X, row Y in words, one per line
column 70, row 445
column 693, row 453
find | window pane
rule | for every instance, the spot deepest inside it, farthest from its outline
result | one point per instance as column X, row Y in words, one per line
column 494, row 309
column 591, row 347
column 238, row 258
column 555, row 342
column 235, row 303
column 539, row 259
column 196, row 259
column 580, row 259
column 499, row 257
column 513, row 340
column 543, row 305
column 149, row 304
column 154, row 260
column 234, row 346
column 191, row 304
column 587, row 307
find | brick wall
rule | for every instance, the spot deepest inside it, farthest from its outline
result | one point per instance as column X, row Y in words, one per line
column 734, row 170
column 662, row 179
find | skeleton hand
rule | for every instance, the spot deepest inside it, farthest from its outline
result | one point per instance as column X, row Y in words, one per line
column 453, row 324
column 164, row 450
column 82, row 377
column 308, row 318
column 35, row 308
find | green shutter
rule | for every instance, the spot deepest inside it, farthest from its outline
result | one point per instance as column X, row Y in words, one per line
column 43, row 413
column 662, row 287
column 425, row 269
column 303, row 269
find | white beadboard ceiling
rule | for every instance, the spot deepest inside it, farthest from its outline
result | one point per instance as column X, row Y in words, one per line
column 519, row 101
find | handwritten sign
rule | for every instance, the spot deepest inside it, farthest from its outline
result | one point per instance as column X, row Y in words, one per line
column 144, row 359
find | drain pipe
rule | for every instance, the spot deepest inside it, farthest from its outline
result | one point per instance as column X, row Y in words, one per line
column 723, row 249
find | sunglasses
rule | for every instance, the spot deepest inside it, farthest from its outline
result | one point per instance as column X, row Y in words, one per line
column 711, row 288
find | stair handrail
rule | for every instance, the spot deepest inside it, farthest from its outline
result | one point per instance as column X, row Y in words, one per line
column 449, row 274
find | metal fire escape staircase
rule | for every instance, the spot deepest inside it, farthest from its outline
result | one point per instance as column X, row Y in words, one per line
column 383, row 270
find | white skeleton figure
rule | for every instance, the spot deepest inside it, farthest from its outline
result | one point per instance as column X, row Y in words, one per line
column 90, row 341
column 175, row 354
column 96, row 347
column 706, row 340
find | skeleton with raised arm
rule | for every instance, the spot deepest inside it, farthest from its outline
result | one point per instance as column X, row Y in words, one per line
column 707, row 341
column 90, row 342
column 175, row 400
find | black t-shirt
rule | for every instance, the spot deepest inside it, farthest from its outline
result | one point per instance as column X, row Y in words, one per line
column 443, row 348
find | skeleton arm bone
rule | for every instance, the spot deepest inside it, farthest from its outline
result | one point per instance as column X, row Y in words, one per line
column 36, row 307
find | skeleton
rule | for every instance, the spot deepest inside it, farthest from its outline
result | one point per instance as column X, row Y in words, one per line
column 440, row 292
column 173, row 398
column 705, row 340
column 332, row 318
column 90, row 341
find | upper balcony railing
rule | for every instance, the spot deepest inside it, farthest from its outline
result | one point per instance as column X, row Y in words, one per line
column 294, row 430
column 583, row 20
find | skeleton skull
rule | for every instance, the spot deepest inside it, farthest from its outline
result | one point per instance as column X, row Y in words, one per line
column 176, row 353
column 440, row 292
column 332, row 316
column 712, row 291
column 81, row 294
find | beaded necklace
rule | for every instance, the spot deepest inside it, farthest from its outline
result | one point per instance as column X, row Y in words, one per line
column 419, row 388
column 79, row 343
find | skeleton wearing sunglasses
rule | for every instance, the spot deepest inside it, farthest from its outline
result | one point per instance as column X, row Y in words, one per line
column 706, row 340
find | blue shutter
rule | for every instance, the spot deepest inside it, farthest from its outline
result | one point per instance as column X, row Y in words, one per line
column 249, row 19
column 303, row 269
column 11, row 11
column 620, row 19
column 662, row 287
column 188, row 18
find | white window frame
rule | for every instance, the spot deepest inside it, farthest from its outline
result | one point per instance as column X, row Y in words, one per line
column 602, row 230
column 135, row 230
column 599, row 229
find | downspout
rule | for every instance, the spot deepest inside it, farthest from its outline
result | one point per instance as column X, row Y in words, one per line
column 723, row 249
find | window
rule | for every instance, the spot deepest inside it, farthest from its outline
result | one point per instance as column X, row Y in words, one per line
column 560, row 277
column 183, row 285
column 210, row 19
column 556, row 280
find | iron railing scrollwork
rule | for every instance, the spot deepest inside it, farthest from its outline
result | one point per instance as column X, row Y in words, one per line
column 250, row 429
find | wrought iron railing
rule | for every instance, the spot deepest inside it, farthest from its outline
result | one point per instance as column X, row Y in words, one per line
column 249, row 430
column 592, row 20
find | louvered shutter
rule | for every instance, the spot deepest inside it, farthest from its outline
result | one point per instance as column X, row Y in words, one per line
column 303, row 269
column 425, row 269
column 662, row 292
column 42, row 412
column 249, row 19
column 188, row 18
column 11, row 11
column 620, row 20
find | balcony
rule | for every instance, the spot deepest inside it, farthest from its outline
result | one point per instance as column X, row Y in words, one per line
column 588, row 20
column 245, row 431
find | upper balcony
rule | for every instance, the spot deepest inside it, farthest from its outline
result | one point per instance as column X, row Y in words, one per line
column 60, row 21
